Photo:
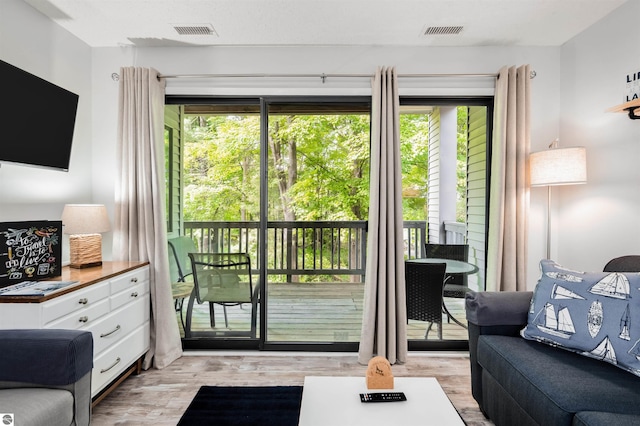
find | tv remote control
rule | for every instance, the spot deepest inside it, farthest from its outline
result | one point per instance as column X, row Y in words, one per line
column 382, row 397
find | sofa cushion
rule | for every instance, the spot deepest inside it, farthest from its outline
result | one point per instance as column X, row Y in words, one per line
column 551, row 384
column 490, row 308
column 38, row 406
column 592, row 418
column 589, row 313
column 69, row 356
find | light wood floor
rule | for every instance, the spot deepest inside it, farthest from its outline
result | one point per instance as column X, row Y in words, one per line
column 159, row 397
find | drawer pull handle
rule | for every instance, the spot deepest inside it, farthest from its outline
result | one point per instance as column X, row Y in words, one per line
column 83, row 301
column 111, row 332
column 83, row 319
column 104, row 370
column 134, row 294
column 134, row 280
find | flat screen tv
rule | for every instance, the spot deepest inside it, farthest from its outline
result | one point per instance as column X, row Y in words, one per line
column 37, row 120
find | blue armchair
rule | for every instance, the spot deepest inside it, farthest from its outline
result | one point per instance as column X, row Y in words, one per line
column 45, row 376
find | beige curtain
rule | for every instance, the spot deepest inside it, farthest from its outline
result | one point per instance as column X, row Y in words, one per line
column 384, row 320
column 140, row 225
column 509, row 192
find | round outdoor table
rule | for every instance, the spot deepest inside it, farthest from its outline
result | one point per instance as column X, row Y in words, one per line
column 453, row 266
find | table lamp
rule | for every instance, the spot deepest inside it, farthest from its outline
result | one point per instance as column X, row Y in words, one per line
column 557, row 166
column 84, row 223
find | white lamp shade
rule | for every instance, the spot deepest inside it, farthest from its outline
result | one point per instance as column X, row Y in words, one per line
column 558, row 166
column 85, row 219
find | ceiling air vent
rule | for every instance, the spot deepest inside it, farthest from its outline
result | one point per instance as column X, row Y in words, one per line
column 195, row 29
column 451, row 30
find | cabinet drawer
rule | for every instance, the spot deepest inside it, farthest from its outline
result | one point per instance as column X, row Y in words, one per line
column 117, row 325
column 130, row 294
column 77, row 301
column 83, row 317
column 129, row 279
column 116, row 359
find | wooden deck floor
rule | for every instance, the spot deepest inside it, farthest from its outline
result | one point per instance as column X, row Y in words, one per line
column 318, row 312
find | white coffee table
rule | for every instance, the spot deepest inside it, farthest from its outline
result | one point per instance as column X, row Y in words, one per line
column 335, row 401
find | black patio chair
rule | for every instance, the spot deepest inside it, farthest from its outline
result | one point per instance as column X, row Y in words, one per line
column 456, row 285
column 424, row 286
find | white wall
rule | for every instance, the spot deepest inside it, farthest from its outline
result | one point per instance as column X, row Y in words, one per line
column 599, row 220
column 34, row 43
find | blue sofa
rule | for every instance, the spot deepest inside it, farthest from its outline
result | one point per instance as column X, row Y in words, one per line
column 523, row 382
column 45, row 377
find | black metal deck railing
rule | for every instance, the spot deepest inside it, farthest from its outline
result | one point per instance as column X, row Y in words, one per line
column 302, row 248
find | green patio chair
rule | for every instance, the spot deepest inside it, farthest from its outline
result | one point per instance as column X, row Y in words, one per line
column 224, row 279
column 180, row 271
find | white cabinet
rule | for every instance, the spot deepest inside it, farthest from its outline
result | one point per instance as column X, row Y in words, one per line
column 110, row 301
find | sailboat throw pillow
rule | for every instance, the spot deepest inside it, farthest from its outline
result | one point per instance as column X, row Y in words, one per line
column 589, row 313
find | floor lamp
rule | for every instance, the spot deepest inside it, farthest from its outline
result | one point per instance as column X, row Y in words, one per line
column 557, row 166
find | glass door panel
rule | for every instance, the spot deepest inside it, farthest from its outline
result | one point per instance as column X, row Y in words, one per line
column 221, row 214
column 318, row 190
column 444, row 192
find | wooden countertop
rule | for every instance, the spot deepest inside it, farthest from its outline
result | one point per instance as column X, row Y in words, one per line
column 85, row 277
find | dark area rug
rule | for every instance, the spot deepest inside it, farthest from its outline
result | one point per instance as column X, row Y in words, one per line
column 244, row 406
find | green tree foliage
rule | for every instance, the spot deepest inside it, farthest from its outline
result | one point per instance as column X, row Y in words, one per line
column 414, row 146
column 318, row 166
column 461, row 169
column 221, row 165
column 332, row 176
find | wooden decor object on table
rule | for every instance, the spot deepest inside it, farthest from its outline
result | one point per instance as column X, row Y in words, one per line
column 85, row 250
column 379, row 374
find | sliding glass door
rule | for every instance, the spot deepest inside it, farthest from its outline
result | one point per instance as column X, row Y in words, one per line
column 213, row 197
column 286, row 181
column 445, row 193
column 316, row 193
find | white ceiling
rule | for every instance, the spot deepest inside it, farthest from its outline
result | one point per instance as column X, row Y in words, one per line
column 103, row 23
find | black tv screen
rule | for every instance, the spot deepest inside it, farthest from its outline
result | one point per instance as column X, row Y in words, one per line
column 37, row 120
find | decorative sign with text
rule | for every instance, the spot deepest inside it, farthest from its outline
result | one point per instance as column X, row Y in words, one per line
column 29, row 251
column 632, row 89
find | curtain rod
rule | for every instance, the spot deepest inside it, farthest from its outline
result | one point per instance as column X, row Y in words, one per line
column 322, row 77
